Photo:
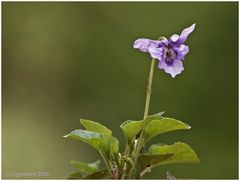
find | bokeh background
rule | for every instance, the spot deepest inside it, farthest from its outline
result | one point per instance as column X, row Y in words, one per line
column 66, row 61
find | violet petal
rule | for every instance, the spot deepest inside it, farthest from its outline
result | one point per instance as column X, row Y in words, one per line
column 184, row 35
column 182, row 50
column 156, row 53
column 174, row 69
column 144, row 44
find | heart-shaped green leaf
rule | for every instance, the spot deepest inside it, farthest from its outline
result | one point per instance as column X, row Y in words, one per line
column 94, row 139
column 162, row 125
column 96, row 127
column 132, row 128
column 182, row 153
column 84, row 167
column 151, row 160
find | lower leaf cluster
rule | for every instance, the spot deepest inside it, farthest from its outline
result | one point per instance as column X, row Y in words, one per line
column 130, row 163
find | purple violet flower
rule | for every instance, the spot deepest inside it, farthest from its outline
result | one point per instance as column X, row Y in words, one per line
column 170, row 53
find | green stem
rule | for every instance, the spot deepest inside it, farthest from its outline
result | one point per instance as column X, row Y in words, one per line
column 106, row 162
column 149, row 89
column 147, row 104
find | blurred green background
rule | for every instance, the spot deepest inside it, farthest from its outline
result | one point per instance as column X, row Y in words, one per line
column 66, row 61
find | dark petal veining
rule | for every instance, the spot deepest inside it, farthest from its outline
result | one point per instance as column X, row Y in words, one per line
column 175, row 68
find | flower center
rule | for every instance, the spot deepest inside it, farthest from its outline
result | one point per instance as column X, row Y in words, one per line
column 169, row 55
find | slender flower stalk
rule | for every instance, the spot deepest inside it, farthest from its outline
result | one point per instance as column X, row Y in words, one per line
column 149, row 89
column 147, row 105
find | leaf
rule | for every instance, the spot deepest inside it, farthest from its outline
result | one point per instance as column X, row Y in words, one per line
column 96, row 127
column 94, row 139
column 162, row 125
column 75, row 175
column 115, row 146
column 84, row 167
column 132, row 128
column 98, row 175
column 182, row 153
column 151, row 160
column 95, row 164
